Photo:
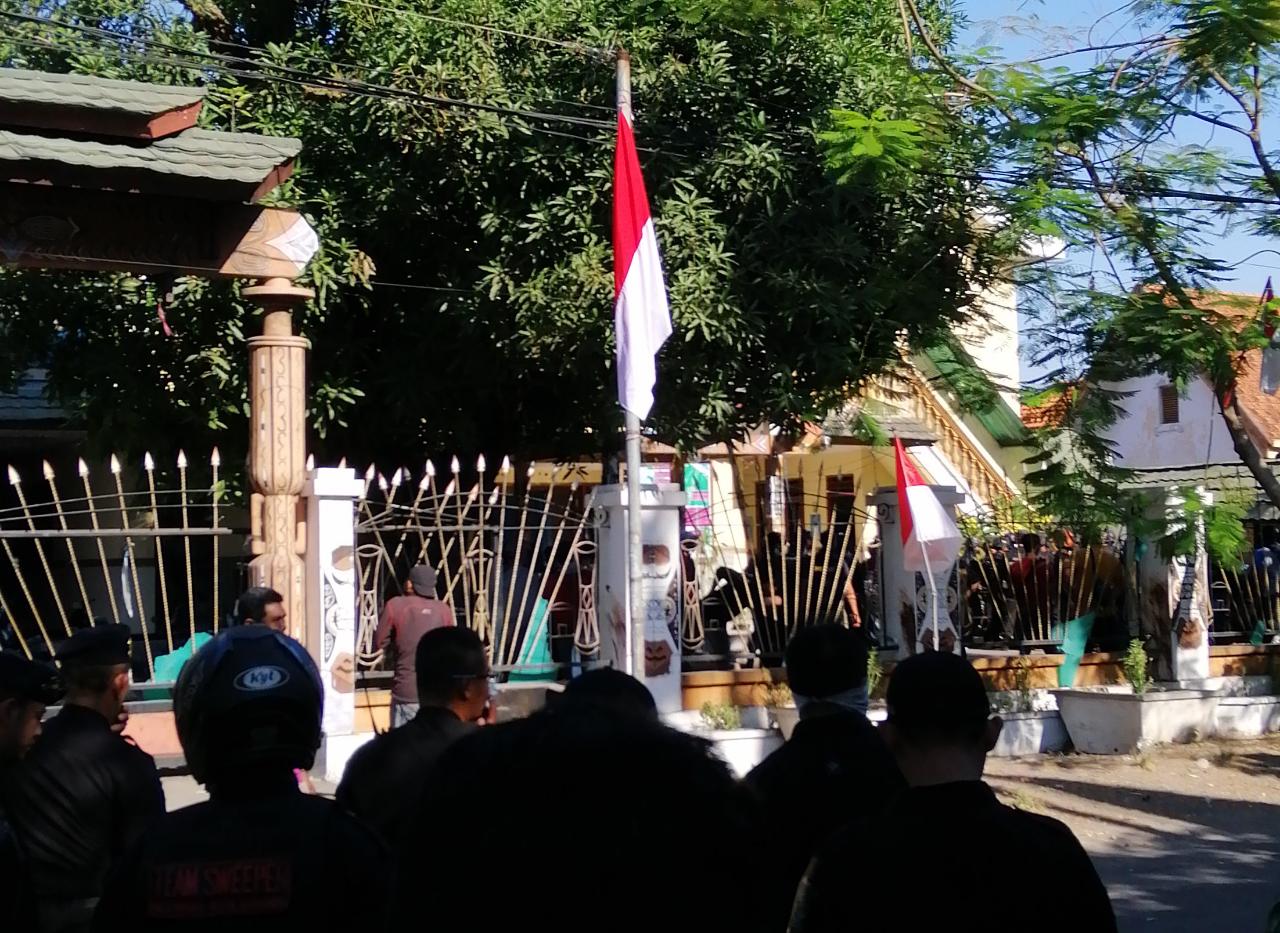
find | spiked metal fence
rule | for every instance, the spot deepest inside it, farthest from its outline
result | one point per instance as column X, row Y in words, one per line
column 516, row 563
column 84, row 550
column 763, row 567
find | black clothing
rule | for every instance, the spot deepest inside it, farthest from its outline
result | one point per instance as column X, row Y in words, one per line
column 17, row 909
column 384, row 779
column 834, row 768
column 263, row 858
column 78, row 800
column 927, row 857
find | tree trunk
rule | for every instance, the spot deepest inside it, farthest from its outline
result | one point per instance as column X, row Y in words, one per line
column 1248, row 453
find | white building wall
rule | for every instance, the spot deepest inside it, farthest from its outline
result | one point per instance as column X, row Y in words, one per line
column 992, row 340
column 1141, row 442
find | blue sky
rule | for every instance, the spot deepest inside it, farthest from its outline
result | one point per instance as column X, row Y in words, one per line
column 1025, row 28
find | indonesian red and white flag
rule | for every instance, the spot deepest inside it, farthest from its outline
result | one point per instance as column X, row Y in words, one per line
column 641, row 316
column 930, row 540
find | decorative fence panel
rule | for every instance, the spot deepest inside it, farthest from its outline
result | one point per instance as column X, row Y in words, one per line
column 102, row 545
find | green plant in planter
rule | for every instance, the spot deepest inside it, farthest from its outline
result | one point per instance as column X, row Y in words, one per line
column 778, row 695
column 1022, row 684
column 875, row 671
column 721, row 717
column 1135, row 667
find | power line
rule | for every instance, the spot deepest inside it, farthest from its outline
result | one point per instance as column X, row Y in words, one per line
column 224, row 63
column 578, row 47
column 300, row 78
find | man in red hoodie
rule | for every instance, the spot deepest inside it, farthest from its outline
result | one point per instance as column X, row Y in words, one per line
column 405, row 619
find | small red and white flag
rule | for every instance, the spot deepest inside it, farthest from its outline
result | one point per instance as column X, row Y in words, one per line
column 641, row 316
column 930, row 539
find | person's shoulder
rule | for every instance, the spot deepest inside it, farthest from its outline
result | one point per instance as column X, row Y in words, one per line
column 127, row 750
column 1041, row 828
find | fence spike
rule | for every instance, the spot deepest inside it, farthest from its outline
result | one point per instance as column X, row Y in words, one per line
column 47, row 469
column 382, row 483
column 14, row 478
column 480, row 463
column 506, row 466
column 431, row 469
column 493, row 496
column 370, row 473
column 342, row 464
column 148, row 463
column 215, row 458
column 533, row 468
column 425, row 482
column 115, row 465
column 448, row 490
column 182, row 459
column 455, row 467
column 397, row 477
column 81, row 467
column 311, row 463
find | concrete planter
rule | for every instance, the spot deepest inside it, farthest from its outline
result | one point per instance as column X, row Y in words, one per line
column 1247, row 717
column 1031, row 732
column 785, row 719
column 743, row 749
column 1115, row 722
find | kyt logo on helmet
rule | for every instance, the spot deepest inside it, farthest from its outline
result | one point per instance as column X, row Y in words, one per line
column 265, row 677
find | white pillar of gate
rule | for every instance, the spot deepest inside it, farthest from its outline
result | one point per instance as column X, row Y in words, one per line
column 660, row 540
column 1174, row 598
column 907, row 609
column 331, row 588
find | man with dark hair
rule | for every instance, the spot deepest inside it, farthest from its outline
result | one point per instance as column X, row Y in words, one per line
column 927, row 855
column 84, row 794
column 608, row 689
column 261, row 605
column 405, row 619
column 835, row 766
column 384, row 779
column 26, row 688
column 257, row 855
column 630, row 868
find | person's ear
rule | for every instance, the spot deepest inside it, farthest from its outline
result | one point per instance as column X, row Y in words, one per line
column 121, row 685
column 992, row 732
column 10, row 707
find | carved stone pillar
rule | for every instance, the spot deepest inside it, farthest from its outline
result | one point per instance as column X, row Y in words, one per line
column 278, row 447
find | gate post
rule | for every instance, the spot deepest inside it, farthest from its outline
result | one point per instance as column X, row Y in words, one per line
column 278, row 445
column 1174, row 598
column 660, row 542
column 330, row 630
column 907, row 607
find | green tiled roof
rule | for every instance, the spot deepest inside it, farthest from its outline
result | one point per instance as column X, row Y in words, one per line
column 63, row 90
column 197, row 154
column 1000, row 421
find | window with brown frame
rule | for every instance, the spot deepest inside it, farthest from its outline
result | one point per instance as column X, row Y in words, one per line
column 1169, row 404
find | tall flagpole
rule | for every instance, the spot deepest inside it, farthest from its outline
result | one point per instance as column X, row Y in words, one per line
column 635, row 556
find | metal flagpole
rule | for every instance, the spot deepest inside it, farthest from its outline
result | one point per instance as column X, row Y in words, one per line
column 635, row 561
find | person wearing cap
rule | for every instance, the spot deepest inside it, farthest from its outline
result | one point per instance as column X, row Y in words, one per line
column 26, row 688
column 258, row 854
column 405, row 619
column 926, row 856
column 84, row 793
column 384, row 779
column 835, row 765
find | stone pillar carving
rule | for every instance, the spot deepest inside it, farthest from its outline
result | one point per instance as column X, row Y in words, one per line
column 278, row 447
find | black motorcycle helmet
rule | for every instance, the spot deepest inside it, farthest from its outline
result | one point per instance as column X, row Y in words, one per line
column 249, row 698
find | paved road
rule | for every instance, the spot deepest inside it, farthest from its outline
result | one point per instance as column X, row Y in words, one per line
column 1186, row 838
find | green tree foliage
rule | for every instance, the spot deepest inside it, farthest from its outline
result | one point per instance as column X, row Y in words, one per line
column 1097, row 154
column 465, row 283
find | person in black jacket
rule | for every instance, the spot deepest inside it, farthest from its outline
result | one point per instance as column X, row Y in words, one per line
column 835, row 766
column 26, row 688
column 384, row 779
column 259, row 855
column 84, row 794
column 926, row 857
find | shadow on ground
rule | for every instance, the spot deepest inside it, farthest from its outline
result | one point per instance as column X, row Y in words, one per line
column 1172, row 862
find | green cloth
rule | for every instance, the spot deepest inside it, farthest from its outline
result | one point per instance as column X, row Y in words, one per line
column 1073, row 648
column 534, row 660
column 1259, row 634
column 169, row 666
